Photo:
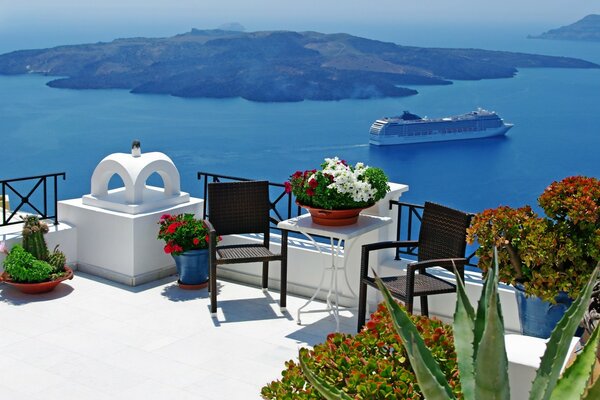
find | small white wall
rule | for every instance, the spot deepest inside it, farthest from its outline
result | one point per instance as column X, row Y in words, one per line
column 120, row 246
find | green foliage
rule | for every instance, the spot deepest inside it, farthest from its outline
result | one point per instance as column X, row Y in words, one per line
column 372, row 364
column 182, row 232
column 483, row 353
column 22, row 266
column 546, row 254
column 57, row 260
column 338, row 186
column 33, row 237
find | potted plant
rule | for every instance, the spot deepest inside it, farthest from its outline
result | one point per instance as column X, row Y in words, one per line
column 186, row 239
column 31, row 267
column 548, row 259
column 335, row 194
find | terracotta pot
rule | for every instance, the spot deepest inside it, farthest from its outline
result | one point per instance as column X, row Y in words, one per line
column 322, row 216
column 35, row 288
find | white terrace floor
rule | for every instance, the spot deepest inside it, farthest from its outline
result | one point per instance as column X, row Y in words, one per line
column 94, row 339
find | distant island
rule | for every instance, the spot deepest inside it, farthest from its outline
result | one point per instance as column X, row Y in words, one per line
column 586, row 29
column 273, row 66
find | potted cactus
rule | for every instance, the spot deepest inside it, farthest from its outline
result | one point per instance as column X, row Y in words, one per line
column 31, row 267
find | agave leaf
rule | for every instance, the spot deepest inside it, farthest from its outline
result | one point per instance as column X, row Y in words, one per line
column 558, row 345
column 491, row 362
column 575, row 379
column 431, row 380
column 593, row 392
column 325, row 389
column 464, row 325
column 482, row 307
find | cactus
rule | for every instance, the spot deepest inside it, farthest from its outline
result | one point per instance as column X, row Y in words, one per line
column 482, row 360
column 57, row 259
column 33, row 237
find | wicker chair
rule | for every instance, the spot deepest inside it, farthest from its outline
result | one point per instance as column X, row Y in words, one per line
column 240, row 208
column 442, row 243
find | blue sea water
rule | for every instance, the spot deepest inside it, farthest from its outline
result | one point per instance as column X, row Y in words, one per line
column 555, row 112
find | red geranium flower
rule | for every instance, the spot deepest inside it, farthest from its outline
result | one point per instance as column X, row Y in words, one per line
column 288, row 187
column 313, row 183
column 168, row 249
column 173, row 227
column 196, row 241
column 207, row 238
column 310, row 192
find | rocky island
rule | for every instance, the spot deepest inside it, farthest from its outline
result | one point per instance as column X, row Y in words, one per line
column 586, row 29
column 272, row 66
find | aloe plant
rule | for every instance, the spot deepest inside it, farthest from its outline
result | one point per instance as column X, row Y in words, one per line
column 482, row 360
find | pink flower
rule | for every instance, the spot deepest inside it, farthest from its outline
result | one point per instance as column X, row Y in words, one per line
column 165, row 216
column 288, row 187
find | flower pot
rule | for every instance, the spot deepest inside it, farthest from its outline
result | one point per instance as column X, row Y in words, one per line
column 192, row 268
column 321, row 216
column 538, row 318
column 38, row 287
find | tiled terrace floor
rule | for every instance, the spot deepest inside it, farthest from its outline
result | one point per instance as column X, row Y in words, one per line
column 93, row 339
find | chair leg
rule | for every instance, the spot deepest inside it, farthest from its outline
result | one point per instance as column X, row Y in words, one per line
column 409, row 305
column 424, row 306
column 283, row 292
column 265, row 276
column 362, row 306
column 213, row 293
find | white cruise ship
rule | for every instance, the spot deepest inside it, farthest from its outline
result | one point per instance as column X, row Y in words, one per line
column 410, row 128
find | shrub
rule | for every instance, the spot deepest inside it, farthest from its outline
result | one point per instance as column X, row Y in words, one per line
column 24, row 267
column 372, row 364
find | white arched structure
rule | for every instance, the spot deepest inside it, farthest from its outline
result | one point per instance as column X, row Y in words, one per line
column 135, row 197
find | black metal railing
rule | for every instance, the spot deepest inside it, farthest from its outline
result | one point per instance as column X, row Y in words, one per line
column 409, row 222
column 282, row 203
column 30, row 195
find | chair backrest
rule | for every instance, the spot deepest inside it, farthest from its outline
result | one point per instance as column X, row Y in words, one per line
column 239, row 207
column 443, row 232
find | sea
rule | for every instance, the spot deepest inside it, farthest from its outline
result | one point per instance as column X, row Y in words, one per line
column 555, row 112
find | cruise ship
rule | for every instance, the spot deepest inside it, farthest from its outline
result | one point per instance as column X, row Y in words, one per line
column 410, row 128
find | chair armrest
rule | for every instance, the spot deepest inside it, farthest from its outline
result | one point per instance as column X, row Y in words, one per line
column 390, row 245
column 446, row 263
column 210, row 227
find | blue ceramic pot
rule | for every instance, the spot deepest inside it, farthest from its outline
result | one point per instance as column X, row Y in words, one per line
column 192, row 267
column 538, row 317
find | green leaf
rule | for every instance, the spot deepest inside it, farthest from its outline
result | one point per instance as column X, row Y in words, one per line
column 593, row 392
column 575, row 379
column 558, row 345
column 482, row 308
column 464, row 325
column 325, row 389
column 429, row 375
column 491, row 362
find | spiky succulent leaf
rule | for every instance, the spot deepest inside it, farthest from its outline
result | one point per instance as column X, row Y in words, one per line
column 558, row 345
column 575, row 379
column 482, row 308
column 491, row 362
column 464, row 325
column 328, row 391
column 593, row 392
column 431, row 380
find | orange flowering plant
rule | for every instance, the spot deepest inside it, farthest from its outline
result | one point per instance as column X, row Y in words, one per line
column 548, row 254
column 182, row 232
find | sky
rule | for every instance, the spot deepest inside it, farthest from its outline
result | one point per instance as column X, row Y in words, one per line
column 44, row 22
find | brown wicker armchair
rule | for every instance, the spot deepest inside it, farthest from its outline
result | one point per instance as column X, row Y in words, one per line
column 240, row 208
column 442, row 243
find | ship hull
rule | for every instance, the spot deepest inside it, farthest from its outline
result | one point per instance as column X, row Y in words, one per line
column 387, row 139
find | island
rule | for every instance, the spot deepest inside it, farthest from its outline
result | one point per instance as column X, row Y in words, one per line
column 586, row 29
column 269, row 66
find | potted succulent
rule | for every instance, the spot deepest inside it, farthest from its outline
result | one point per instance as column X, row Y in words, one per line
column 186, row 239
column 335, row 194
column 548, row 258
column 31, row 267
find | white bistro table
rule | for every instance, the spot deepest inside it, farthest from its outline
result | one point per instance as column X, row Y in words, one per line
column 345, row 236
